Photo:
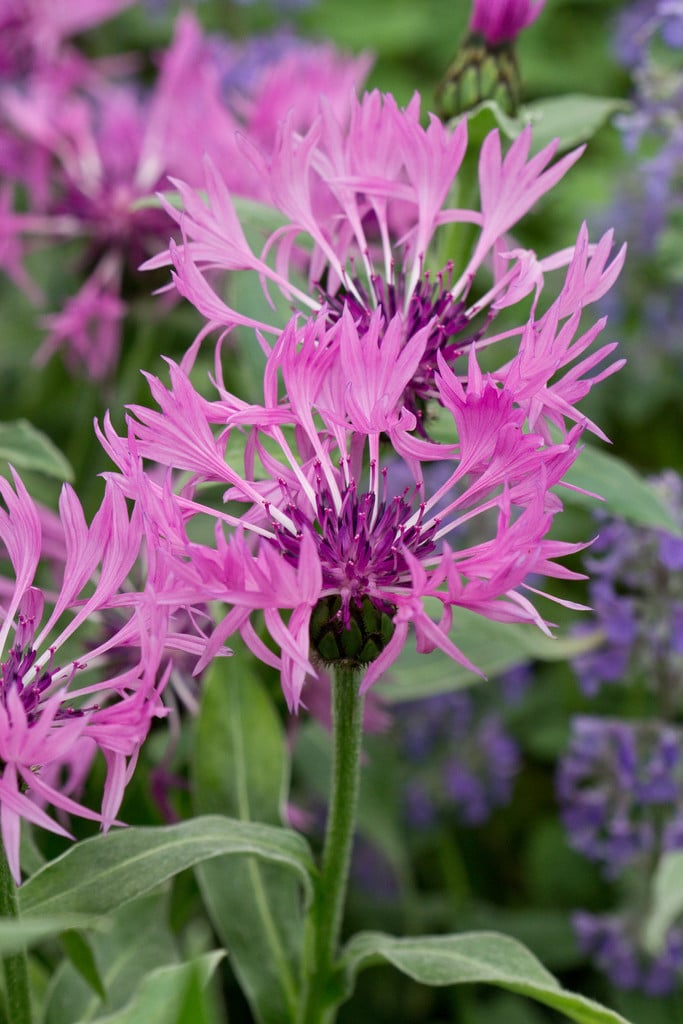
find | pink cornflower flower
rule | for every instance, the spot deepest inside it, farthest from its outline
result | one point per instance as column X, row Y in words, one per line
column 59, row 690
column 86, row 149
column 32, row 32
column 340, row 565
column 501, row 21
column 92, row 147
column 371, row 197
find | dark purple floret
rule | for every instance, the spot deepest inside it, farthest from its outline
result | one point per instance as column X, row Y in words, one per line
column 18, row 665
column 361, row 547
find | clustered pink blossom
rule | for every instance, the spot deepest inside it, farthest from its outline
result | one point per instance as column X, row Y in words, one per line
column 321, row 553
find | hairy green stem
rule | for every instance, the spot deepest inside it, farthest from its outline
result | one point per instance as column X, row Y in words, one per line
column 17, row 995
column 323, row 995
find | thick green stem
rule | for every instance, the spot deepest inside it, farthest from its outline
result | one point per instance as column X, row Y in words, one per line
column 18, row 999
column 347, row 727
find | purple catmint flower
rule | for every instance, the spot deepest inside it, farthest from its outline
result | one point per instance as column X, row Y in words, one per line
column 648, row 198
column 369, row 190
column 617, row 783
column 460, row 762
column 636, row 593
column 62, row 698
column 612, row 941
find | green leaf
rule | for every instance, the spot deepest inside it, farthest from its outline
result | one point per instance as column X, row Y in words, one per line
column 138, row 940
column 240, row 767
column 100, row 874
column 666, row 900
column 27, row 448
column 476, row 957
column 194, row 1006
column 82, row 959
column 494, row 647
column 17, row 934
column 625, row 493
column 160, row 993
column 573, row 118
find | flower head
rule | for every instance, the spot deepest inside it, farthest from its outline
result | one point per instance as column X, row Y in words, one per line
column 371, row 197
column 325, row 538
column 58, row 690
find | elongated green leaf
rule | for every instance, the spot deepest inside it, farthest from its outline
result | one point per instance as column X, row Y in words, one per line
column 667, row 899
column 494, row 647
column 195, row 1005
column 26, row 447
column 476, row 957
column 136, row 941
column 240, row 767
column 15, row 934
column 102, row 873
column 160, row 993
column 625, row 493
column 82, row 959
column 573, row 118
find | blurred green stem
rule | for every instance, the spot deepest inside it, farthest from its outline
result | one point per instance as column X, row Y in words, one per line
column 17, row 995
column 323, row 995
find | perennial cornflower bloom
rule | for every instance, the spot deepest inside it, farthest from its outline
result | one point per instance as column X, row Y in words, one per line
column 61, row 698
column 370, row 197
column 33, row 32
column 87, row 149
column 485, row 66
column 324, row 538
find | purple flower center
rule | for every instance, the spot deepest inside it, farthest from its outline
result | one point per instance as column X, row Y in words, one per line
column 430, row 303
column 14, row 670
column 361, row 546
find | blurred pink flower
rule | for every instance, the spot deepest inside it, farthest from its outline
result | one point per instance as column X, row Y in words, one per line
column 32, row 32
column 87, row 327
column 88, row 150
